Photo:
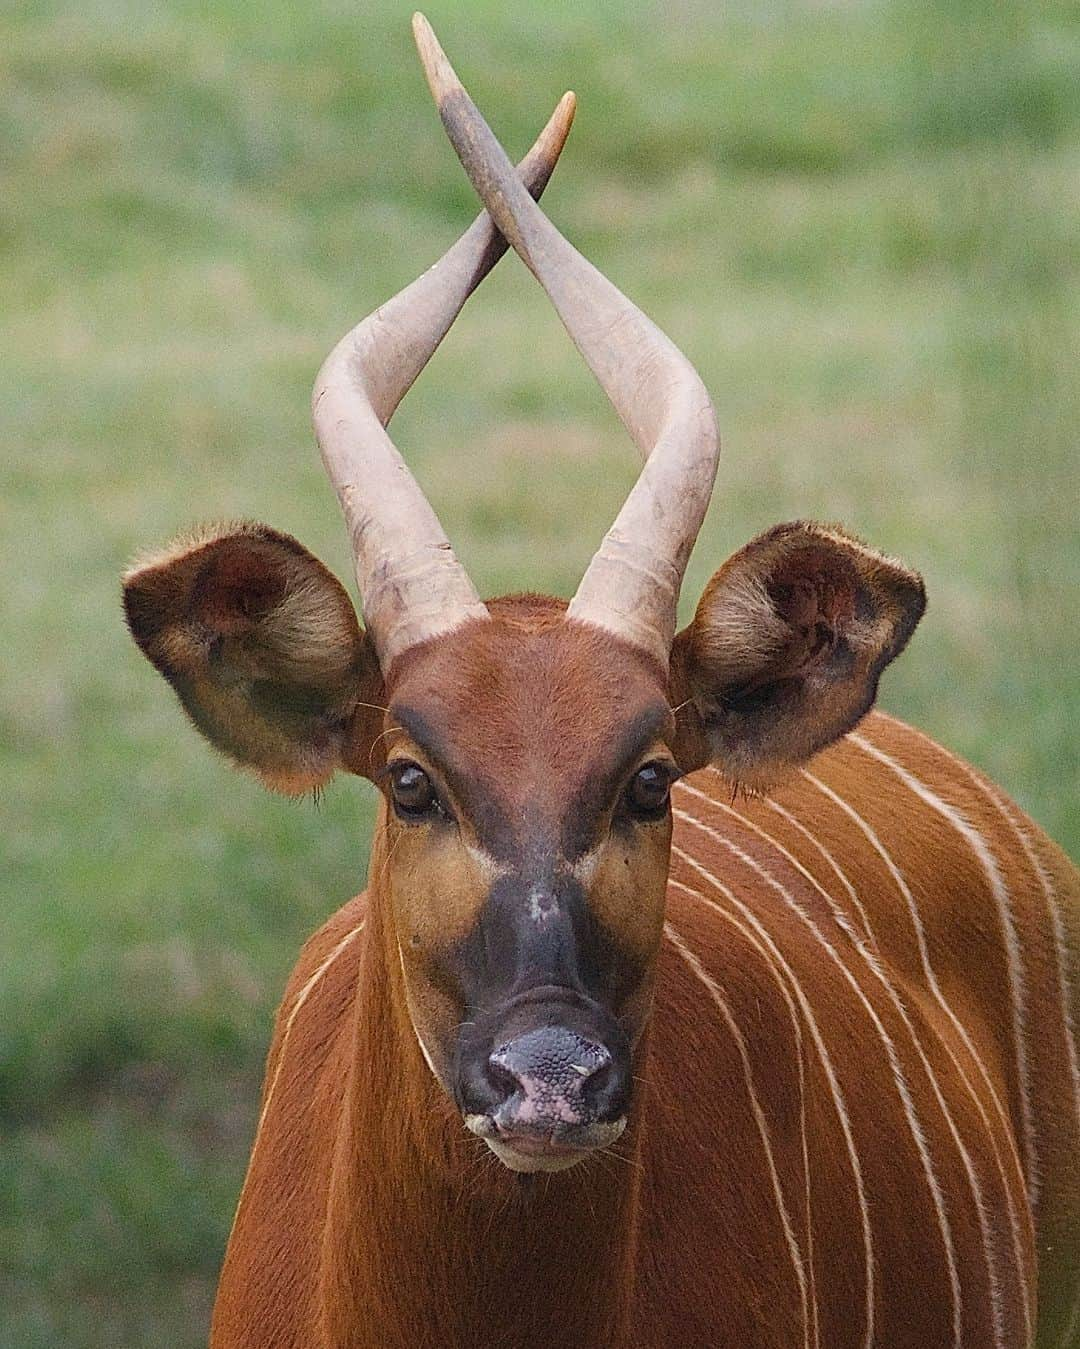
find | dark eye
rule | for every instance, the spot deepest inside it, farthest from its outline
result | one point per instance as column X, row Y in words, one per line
column 648, row 791
column 411, row 790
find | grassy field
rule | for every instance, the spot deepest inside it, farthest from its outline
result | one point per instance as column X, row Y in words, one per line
column 861, row 220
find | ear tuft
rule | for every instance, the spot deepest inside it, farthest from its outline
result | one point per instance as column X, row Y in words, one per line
column 260, row 643
column 787, row 646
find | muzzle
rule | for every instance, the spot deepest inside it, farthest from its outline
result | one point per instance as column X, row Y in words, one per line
column 545, row 1080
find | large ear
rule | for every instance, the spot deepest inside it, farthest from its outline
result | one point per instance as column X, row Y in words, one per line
column 263, row 648
column 786, row 648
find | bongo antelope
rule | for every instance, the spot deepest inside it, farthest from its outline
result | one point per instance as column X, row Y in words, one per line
column 690, row 1003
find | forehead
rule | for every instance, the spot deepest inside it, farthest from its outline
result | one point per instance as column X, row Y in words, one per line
column 529, row 708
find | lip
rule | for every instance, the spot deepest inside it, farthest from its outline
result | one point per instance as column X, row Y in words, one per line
column 526, row 1155
column 537, row 1145
column 528, row 1151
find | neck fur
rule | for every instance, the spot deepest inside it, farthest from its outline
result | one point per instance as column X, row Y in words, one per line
column 429, row 1239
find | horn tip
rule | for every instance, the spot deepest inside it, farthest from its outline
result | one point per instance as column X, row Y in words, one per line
column 554, row 135
column 440, row 73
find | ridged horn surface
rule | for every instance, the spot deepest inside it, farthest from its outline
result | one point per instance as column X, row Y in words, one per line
column 632, row 584
column 411, row 585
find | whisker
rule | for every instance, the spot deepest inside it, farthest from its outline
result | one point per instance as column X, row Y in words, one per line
column 390, row 730
column 627, row 1161
column 386, row 859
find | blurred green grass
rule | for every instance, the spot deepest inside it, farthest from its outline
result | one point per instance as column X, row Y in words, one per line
column 861, row 220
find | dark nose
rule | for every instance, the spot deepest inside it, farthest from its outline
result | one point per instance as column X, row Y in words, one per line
column 553, row 1076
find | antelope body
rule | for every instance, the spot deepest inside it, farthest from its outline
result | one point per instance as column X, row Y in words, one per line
column 611, row 1053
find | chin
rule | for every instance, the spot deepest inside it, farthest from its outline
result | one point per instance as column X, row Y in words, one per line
column 514, row 1159
column 527, row 1152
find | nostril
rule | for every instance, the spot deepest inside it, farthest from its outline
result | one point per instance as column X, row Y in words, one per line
column 594, row 1080
column 502, row 1079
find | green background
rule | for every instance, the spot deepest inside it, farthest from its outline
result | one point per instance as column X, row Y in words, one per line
column 861, row 221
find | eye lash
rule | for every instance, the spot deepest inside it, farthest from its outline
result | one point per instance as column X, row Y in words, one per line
column 436, row 810
column 670, row 770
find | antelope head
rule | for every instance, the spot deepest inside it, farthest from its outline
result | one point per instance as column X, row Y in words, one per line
column 525, row 748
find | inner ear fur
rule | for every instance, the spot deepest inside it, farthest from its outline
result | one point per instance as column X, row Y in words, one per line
column 262, row 646
column 786, row 649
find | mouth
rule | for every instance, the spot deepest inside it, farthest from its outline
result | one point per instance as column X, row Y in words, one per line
column 528, row 1151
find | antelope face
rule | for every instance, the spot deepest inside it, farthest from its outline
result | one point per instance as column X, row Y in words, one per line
column 527, row 778
column 524, row 748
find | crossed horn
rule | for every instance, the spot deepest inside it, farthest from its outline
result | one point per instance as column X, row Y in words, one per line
column 412, row 586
